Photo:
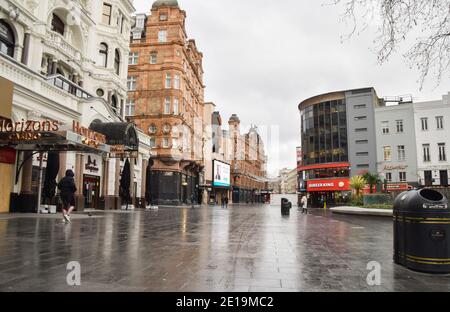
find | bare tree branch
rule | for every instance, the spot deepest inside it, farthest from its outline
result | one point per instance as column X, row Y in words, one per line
column 427, row 20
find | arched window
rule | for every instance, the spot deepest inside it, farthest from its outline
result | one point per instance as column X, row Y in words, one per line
column 114, row 103
column 58, row 25
column 103, row 54
column 7, row 40
column 117, row 62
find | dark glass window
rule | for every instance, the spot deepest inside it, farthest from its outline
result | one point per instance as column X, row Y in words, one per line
column 106, row 15
column 58, row 25
column 103, row 54
column 7, row 40
column 117, row 62
column 324, row 133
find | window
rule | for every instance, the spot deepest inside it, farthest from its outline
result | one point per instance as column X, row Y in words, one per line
column 7, row 39
column 174, row 143
column 363, row 166
column 167, row 128
column 117, row 62
column 440, row 122
column 100, row 92
column 358, row 118
column 362, row 154
column 385, row 127
column 162, row 36
column 153, row 58
column 130, row 107
column 165, row 143
column 176, row 82
column 388, row 177
column 133, row 59
column 168, row 81
column 103, row 54
column 131, row 83
column 122, row 24
column 152, row 129
column 362, row 141
column 58, row 25
column 140, row 21
column 399, row 126
column 106, row 14
column 360, row 106
column 114, row 103
column 424, row 124
column 152, row 142
column 361, row 130
column 426, row 152
column 402, row 176
column 167, row 105
column 163, row 17
column 176, row 105
column 401, row 153
column 387, row 153
column 442, row 155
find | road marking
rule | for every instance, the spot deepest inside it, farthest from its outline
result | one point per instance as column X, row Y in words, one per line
column 358, row 228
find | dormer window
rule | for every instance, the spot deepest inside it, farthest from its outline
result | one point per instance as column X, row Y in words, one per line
column 163, row 17
column 58, row 25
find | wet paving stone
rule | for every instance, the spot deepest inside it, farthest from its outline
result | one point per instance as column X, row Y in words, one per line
column 240, row 249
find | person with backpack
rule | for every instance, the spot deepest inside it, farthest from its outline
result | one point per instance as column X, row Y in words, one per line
column 67, row 190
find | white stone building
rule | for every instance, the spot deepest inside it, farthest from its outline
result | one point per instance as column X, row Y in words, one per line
column 68, row 63
column 432, row 124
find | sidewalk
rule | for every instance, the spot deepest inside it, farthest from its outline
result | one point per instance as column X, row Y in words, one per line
column 73, row 216
column 363, row 211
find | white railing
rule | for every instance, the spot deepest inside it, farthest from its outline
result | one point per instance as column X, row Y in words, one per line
column 24, row 77
column 58, row 42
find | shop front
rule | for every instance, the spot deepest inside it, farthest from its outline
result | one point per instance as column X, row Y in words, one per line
column 329, row 192
column 79, row 148
column 7, row 154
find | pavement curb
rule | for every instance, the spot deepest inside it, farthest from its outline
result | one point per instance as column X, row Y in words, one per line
column 363, row 211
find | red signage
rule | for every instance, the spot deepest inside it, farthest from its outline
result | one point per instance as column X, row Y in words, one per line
column 342, row 184
column 7, row 156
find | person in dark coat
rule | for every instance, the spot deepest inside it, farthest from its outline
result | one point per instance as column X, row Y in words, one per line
column 67, row 190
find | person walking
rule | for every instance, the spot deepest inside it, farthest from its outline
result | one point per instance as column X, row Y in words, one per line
column 67, row 190
column 304, row 203
column 226, row 202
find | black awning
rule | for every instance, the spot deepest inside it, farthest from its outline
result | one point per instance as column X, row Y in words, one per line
column 118, row 133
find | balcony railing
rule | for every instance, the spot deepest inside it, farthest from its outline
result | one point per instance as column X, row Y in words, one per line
column 60, row 43
column 68, row 86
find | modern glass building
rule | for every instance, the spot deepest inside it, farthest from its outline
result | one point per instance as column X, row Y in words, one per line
column 338, row 141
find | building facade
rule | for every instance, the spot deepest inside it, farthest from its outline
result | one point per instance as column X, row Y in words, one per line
column 248, row 164
column 338, row 141
column 433, row 140
column 166, row 101
column 396, row 144
column 67, row 63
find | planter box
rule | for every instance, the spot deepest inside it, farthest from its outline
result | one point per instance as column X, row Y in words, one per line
column 377, row 199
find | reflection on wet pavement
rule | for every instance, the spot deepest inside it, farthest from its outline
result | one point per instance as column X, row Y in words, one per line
column 204, row 249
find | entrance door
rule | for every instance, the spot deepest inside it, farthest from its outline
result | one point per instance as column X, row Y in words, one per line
column 428, row 178
column 91, row 191
column 444, row 177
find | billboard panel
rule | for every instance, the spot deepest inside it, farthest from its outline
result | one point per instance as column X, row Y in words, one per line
column 221, row 173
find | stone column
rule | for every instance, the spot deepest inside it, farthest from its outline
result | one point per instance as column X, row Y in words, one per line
column 105, row 186
column 26, row 48
column 54, row 67
column 117, row 185
column 144, row 180
column 79, row 197
column 27, row 171
column 133, row 196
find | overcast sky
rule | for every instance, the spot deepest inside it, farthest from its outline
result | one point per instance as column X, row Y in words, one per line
column 263, row 57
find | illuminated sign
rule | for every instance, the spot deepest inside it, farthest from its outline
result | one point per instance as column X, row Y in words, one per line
column 91, row 137
column 221, row 174
column 328, row 185
column 28, row 126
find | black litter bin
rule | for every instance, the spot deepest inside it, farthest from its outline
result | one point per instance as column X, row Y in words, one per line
column 422, row 230
column 286, row 206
